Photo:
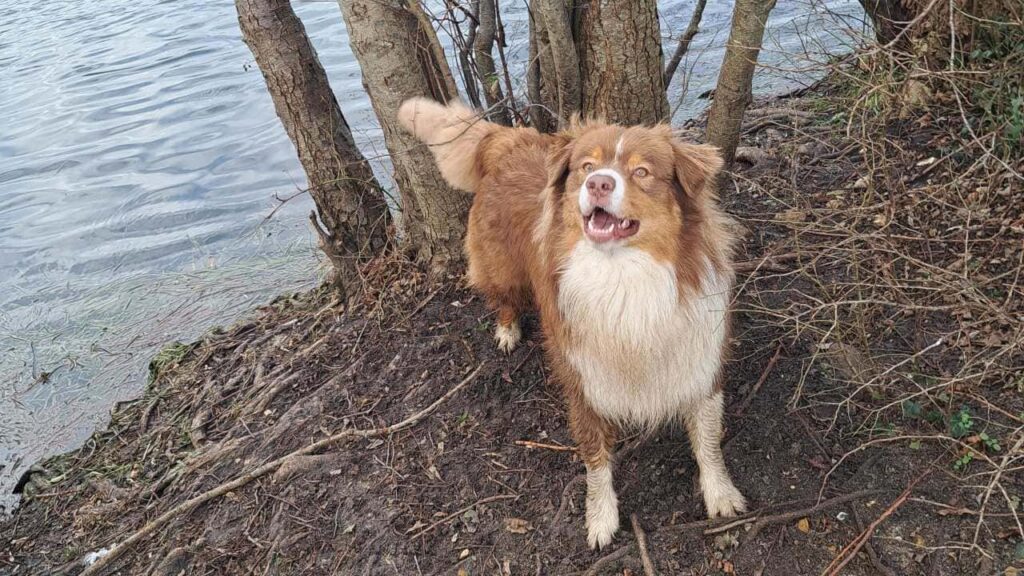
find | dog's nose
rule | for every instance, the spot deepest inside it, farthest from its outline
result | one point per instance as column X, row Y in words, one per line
column 600, row 186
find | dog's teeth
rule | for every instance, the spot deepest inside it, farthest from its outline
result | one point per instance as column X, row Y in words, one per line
column 626, row 223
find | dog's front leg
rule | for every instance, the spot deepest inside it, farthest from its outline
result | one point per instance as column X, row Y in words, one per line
column 704, row 425
column 595, row 438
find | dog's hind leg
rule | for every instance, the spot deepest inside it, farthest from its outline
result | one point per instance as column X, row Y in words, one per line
column 704, row 425
column 509, row 305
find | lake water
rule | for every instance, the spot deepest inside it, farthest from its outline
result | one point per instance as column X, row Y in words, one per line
column 140, row 157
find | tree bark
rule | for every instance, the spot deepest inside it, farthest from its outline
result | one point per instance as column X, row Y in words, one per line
column 483, row 42
column 733, row 91
column 558, row 61
column 888, row 17
column 350, row 203
column 465, row 46
column 539, row 109
column 399, row 59
column 927, row 30
column 619, row 47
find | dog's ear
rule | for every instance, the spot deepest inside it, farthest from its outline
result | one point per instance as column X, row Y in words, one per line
column 696, row 167
column 558, row 161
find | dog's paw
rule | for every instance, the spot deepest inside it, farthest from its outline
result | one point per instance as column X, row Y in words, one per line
column 602, row 508
column 602, row 523
column 507, row 336
column 722, row 499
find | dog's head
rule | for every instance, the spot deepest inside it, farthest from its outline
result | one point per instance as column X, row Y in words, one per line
column 632, row 186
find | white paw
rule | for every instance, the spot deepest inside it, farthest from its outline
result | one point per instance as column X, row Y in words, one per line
column 602, row 521
column 723, row 499
column 602, row 507
column 507, row 336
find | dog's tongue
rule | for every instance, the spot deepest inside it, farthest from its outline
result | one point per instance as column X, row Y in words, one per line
column 602, row 219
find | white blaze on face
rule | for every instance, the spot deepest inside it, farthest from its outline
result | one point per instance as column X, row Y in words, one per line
column 618, row 194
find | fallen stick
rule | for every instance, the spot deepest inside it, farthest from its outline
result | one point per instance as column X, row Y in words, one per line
column 263, row 470
column 850, row 551
column 460, row 511
column 876, row 561
column 566, row 498
column 760, row 522
column 555, row 447
column 608, row 559
column 760, row 382
column 770, row 263
column 641, row 542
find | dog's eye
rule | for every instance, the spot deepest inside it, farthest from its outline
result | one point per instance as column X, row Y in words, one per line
column 640, row 172
column 588, row 167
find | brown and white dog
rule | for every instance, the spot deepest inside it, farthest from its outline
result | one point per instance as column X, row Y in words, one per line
column 615, row 235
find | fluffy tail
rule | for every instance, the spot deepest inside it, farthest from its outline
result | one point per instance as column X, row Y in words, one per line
column 454, row 133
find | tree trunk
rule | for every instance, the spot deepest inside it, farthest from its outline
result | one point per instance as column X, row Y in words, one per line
column 558, row 68
column 733, row 91
column 888, row 17
column 619, row 47
column 465, row 45
column 349, row 201
column 926, row 29
column 483, row 42
column 398, row 55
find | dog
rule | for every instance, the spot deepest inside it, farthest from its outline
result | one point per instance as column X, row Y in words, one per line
column 614, row 234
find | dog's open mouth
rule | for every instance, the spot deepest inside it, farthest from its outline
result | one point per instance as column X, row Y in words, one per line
column 603, row 226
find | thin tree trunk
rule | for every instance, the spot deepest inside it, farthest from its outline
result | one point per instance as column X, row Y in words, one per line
column 350, row 203
column 684, row 42
column 888, row 18
column 733, row 91
column 465, row 46
column 619, row 47
column 558, row 58
column 541, row 113
column 482, row 45
column 399, row 60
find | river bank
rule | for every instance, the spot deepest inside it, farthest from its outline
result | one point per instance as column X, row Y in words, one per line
column 873, row 391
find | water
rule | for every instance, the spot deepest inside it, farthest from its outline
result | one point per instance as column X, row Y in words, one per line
column 139, row 158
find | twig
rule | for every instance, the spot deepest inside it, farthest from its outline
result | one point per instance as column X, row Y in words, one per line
column 851, row 549
column 876, row 561
column 608, row 559
column 762, row 522
column 760, row 381
column 684, row 42
column 771, row 263
column 641, row 543
column 265, row 469
column 566, row 497
column 555, row 447
column 460, row 511
column 282, row 201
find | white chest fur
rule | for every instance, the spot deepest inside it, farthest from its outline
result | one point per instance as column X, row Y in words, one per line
column 644, row 354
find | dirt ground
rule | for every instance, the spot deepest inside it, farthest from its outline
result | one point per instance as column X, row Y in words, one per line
column 845, row 418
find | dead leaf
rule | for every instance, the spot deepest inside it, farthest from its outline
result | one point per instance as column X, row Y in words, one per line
column 862, row 183
column 791, row 215
column 803, row 525
column 518, row 525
